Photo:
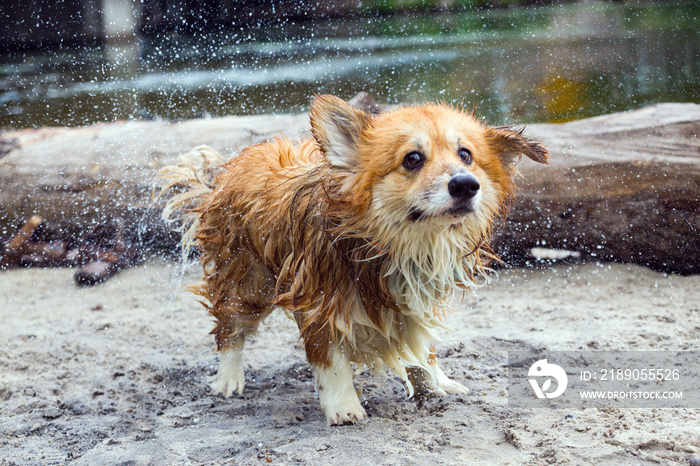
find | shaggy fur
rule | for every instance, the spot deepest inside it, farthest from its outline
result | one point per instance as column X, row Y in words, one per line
column 363, row 249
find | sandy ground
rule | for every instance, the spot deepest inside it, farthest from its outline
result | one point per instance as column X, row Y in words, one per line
column 115, row 375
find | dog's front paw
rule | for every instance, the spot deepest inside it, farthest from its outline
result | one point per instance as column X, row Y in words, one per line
column 446, row 385
column 350, row 412
column 452, row 387
column 336, row 392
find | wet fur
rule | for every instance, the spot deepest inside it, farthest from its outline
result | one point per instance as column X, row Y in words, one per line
column 362, row 252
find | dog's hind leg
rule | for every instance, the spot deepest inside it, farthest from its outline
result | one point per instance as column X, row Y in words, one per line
column 230, row 376
column 241, row 298
column 231, row 332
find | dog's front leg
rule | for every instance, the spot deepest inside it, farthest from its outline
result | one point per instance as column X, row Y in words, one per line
column 421, row 383
column 444, row 383
column 336, row 391
column 434, row 382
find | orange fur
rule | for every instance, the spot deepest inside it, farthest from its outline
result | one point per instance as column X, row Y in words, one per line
column 361, row 249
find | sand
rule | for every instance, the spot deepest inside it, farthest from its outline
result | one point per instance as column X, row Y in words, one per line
column 115, row 374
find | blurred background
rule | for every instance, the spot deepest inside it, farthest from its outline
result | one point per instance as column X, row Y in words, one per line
column 77, row 62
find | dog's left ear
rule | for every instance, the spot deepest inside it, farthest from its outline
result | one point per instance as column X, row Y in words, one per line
column 336, row 126
column 509, row 143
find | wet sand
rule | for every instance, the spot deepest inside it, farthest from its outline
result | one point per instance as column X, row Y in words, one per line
column 115, row 374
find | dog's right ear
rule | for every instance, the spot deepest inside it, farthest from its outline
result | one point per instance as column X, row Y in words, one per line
column 336, row 126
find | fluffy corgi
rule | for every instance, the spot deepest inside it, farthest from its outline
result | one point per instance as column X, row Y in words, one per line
column 361, row 233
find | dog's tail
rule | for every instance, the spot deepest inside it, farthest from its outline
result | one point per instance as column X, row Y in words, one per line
column 185, row 186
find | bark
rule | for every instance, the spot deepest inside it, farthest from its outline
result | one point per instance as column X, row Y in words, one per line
column 622, row 187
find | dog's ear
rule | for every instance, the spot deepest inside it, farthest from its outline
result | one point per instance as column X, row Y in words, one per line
column 509, row 143
column 336, row 126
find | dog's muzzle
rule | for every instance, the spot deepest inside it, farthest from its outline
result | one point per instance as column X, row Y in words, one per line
column 463, row 187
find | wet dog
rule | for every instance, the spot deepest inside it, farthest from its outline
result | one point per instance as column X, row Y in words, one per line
column 362, row 233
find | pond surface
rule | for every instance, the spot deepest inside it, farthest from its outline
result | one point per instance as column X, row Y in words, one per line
column 539, row 64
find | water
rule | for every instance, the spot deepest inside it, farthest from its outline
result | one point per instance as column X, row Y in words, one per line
column 524, row 65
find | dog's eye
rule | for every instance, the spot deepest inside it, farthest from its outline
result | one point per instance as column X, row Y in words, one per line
column 413, row 160
column 465, row 154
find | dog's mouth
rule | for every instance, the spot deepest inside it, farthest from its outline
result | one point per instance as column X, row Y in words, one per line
column 416, row 215
column 460, row 210
column 455, row 212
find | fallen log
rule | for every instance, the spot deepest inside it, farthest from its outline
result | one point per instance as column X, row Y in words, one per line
column 77, row 178
column 623, row 187
column 620, row 187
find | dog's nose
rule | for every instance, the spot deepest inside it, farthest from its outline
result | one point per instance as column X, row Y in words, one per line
column 463, row 187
